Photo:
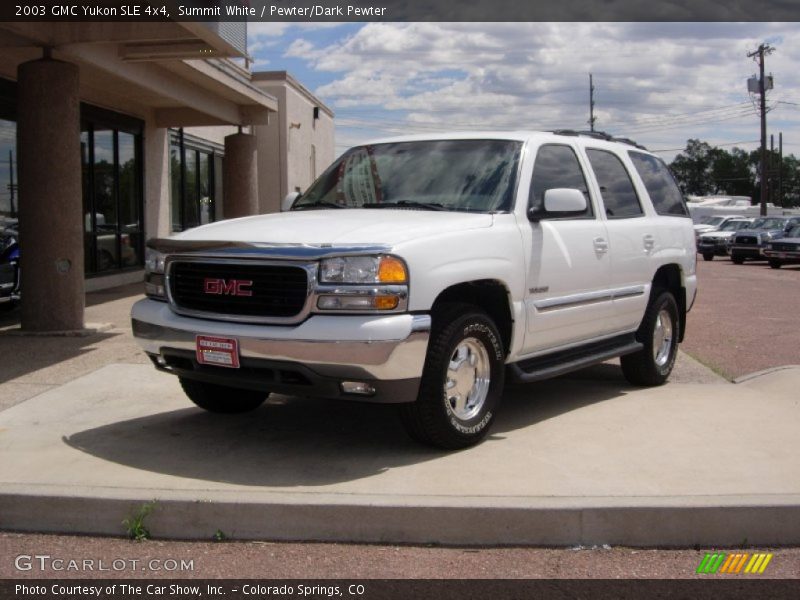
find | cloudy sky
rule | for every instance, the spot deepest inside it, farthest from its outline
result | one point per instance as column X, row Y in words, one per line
column 658, row 83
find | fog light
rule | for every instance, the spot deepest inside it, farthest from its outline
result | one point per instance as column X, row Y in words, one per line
column 357, row 387
column 386, row 302
column 343, row 302
column 160, row 360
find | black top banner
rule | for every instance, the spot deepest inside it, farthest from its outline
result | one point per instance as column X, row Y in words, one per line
column 403, row 10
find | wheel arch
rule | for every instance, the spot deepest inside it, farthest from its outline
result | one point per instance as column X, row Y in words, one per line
column 491, row 295
column 670, row 277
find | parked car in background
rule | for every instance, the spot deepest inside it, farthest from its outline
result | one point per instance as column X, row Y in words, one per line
column 785, row 250
column 715, row 243
column 749, row 244
column 9, row 267
column 712, row 223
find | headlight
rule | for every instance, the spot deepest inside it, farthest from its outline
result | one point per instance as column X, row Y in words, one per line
column 154, row 261
column 154, row 274
column 363, row 269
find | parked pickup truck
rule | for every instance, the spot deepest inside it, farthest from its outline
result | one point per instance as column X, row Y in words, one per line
column 426, row 270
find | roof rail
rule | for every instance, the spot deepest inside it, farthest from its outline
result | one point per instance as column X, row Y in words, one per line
column 598, row 135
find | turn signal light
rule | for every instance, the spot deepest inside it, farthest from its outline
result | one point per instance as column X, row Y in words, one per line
column 392, row 270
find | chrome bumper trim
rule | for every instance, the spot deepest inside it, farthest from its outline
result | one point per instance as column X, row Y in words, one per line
column 367, row 359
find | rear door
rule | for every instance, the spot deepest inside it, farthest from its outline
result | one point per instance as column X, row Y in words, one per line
column 631, row 234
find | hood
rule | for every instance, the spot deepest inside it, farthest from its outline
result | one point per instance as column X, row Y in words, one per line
column 717, row 235
column 339, row 226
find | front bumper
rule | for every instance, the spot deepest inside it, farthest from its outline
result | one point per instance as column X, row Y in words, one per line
column 792, row 255
column 312, row 358
column 746, row 250
column 718, row 247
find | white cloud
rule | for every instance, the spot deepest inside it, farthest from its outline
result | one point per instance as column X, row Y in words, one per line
column 657, row 82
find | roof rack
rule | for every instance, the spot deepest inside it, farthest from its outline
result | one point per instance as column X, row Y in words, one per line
column 598, row 135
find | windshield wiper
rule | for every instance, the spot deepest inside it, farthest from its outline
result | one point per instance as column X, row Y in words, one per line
column 321, row 204
column 406, row 204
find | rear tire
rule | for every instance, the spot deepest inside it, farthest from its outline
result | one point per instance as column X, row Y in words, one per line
column 708, row 256
column 775, row 264
column 222, row 399
column 462, row 381
column 658, row 332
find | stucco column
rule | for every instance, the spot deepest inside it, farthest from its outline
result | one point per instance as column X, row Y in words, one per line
column 51, row 206
column 240, row 176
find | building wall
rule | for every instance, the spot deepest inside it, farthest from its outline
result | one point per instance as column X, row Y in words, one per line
column 271, row 161
column 309, row 142
column 294, row 149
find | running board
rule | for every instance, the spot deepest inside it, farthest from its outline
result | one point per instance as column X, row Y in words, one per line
column 558, row 363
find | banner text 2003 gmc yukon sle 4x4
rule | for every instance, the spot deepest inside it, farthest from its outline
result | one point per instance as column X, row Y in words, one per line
column 426, row 270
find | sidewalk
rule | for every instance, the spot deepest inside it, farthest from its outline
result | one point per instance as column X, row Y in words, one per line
column 585, row 459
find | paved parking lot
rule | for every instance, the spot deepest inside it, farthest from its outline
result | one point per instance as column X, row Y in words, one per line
column 746, row 318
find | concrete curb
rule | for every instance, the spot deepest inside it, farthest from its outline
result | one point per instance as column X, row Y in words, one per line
column 637, row 522
column 770, row 371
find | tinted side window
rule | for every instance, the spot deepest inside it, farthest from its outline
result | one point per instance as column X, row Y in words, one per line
column 616, row 187
column 667, row 198
column 557, row 166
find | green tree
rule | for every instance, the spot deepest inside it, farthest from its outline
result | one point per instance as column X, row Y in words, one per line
column 692, row 168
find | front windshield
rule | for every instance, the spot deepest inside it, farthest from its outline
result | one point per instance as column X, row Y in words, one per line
column 711, row 220
column 734, row 225
column 794, row 232
column 463, row 175
column 772, row 224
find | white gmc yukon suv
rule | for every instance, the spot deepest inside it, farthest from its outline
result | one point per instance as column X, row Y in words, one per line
column 426, row 270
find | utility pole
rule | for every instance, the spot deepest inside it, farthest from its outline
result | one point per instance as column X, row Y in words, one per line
column 780, row 168
column 762, row 51
column 592, row 118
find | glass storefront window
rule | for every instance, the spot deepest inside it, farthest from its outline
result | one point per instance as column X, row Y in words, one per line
column 111, row 172
column 9, row 194
column 175, row 186
column 112, row 195
column 196, row 176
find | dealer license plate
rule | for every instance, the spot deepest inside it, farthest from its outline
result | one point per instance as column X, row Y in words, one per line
column 217, row 351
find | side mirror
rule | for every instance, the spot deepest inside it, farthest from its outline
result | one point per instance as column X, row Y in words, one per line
column 564, row 200
column 559, row 202
column 288, row 202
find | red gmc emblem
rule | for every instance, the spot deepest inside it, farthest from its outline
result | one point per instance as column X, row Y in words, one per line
column 227, row 287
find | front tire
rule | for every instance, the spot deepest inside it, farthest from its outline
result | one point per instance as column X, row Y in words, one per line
column 737, row 260
column 708, row 256
column 222, row 399
column 462, row 381
column 658, row 332
column 774, row 263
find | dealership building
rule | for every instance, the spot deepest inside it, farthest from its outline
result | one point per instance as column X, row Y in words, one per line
column 113, row 133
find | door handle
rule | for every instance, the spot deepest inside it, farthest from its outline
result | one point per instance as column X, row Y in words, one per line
column 649, row 242
column 600, row 245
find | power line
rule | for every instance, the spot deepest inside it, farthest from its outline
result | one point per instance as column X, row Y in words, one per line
column 713, row 145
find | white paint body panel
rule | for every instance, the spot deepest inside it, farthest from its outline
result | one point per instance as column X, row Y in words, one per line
column 548, row 261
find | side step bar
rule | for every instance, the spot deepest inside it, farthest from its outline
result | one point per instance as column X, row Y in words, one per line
column 558, row 363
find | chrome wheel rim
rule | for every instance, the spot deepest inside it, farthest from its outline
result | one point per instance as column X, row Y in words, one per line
column 662, row 338
column 468, row 377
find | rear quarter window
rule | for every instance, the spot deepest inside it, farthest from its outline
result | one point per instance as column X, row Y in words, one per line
column 660, row 185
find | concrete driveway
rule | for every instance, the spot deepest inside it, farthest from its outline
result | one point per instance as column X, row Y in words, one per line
column 94, row 434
